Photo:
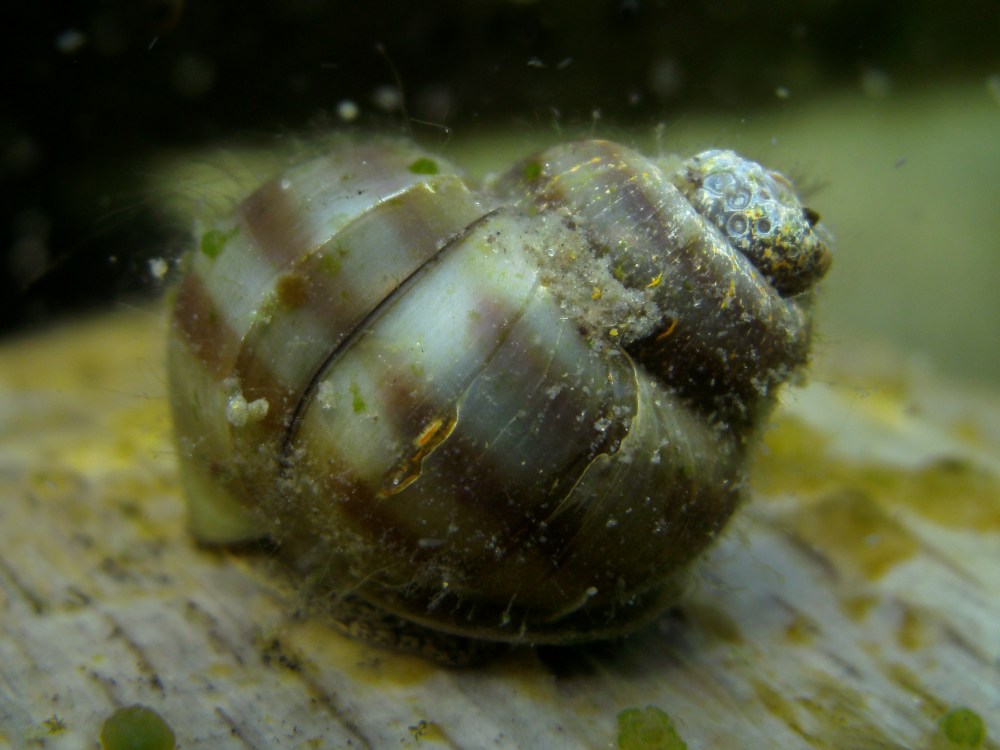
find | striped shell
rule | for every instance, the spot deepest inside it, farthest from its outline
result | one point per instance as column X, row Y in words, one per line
column 514, row 412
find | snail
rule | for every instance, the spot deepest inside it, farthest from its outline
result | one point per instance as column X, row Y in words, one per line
column 514, row 411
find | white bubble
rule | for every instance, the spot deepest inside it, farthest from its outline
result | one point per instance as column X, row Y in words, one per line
column 875, row 83
column 236, row 410
column 348, row 110
column 993, row 86
column 70, row 41
column 239, row 412
column 387, row 98
column 158, row 267
column 192, row 75
column 665, row 77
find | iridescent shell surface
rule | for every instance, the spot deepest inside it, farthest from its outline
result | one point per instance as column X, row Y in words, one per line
column 514, row 411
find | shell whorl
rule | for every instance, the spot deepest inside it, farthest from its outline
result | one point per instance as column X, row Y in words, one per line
column 759, row 215
column 512, row 412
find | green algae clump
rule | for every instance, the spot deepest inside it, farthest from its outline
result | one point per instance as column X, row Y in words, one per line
column 963, row 728
column 136, row 728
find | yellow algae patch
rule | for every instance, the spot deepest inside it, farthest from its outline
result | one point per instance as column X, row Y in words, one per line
column 855, row 533
column 947, row 491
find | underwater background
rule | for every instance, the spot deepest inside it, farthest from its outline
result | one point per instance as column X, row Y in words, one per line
column 886, row 114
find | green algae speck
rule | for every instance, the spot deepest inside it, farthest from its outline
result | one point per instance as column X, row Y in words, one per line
column 532, row 171
column 647, row 729
column 214, row 240
column 136, row 728
column 963, row 728
column 424, row 166
column 357, row 402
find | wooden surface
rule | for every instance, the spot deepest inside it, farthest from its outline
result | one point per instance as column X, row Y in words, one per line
column 852, row 604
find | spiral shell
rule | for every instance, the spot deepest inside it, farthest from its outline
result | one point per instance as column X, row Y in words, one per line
column 516, row 411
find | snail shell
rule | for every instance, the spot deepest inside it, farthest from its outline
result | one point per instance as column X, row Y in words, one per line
column 513, row 412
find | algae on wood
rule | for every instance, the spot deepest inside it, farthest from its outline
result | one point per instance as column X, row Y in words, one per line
column 854, row 602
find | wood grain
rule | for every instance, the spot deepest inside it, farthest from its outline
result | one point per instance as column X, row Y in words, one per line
column 855, row 600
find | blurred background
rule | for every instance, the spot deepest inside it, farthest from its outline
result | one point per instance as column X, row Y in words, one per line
column 886, row 114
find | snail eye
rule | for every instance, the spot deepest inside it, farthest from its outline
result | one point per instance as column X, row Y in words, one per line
column 810, row 216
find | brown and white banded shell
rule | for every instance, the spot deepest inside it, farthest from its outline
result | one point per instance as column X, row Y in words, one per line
column 514, row 411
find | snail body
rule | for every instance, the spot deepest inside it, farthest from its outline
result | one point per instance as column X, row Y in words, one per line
column 513, row 412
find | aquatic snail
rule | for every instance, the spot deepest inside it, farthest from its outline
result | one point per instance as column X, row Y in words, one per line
column 514, row 411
